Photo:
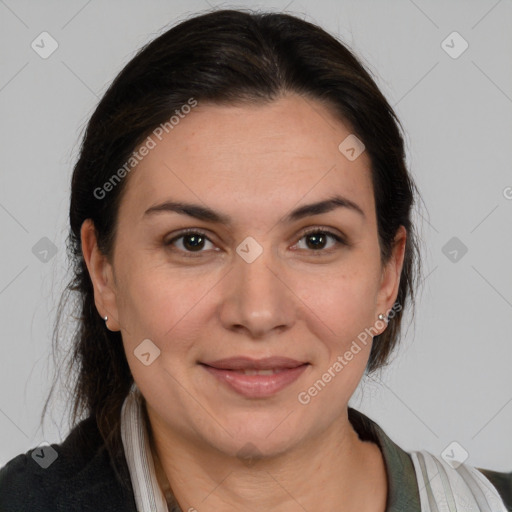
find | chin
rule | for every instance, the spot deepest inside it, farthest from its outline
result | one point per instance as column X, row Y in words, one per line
column 255, row 437
column 250, row 449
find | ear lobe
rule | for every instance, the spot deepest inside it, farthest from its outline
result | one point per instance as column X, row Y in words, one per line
column 391, row 273
column 101, row 274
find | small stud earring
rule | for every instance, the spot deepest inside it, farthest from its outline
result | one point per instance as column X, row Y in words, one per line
column 105, row 318
column 383, row 317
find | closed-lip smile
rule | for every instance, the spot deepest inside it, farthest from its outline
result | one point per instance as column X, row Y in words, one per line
column 256, row 378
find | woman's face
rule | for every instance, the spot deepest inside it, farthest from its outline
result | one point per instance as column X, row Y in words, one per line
column 247, row 280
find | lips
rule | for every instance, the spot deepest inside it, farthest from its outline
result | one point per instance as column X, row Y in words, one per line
column 241, row 363
column 256, row 378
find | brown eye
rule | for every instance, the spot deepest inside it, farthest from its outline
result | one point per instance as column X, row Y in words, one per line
column 318, row 239
column 193, row 242
column 190, row 242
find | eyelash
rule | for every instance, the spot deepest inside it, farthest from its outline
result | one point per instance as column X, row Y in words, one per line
column 340, row 241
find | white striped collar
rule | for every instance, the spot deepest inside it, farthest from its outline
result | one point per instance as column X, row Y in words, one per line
column 147, row 493
column 445, row 487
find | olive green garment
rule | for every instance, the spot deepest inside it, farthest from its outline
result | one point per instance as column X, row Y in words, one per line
column 403, row 493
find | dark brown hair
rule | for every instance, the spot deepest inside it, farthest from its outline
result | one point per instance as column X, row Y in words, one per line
column 223, row 57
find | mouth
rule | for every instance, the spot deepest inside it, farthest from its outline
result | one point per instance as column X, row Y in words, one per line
column 256, row 378
column 253, row 371
column 242, row 363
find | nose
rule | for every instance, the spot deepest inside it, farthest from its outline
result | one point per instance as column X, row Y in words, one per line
column 257, row 298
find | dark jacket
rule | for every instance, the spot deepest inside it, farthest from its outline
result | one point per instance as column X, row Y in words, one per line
column 82, row 478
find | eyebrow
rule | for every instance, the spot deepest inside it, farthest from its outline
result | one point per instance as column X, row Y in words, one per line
column 207, row 214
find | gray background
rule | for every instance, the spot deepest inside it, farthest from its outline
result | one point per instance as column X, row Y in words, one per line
column 451, row 380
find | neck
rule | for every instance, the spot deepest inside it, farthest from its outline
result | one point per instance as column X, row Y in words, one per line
column 335, row 468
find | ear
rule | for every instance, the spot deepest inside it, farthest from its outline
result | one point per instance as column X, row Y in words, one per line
column 390, row 277
column 101, row 274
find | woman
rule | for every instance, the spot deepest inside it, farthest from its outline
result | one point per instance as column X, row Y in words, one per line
column 243, row 251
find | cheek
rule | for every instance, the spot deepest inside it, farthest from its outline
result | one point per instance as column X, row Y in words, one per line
column 343, row 300
column 165, row 310
column 341, row 309
column 164, row 305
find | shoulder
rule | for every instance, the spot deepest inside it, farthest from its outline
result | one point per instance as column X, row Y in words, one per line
column 502, row 481
column 460, row 483
column 75, row 475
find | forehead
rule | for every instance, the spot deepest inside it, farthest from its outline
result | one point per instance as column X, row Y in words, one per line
column 254, row 154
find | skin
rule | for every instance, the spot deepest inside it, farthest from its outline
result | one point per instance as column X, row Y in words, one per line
column 255, row 163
